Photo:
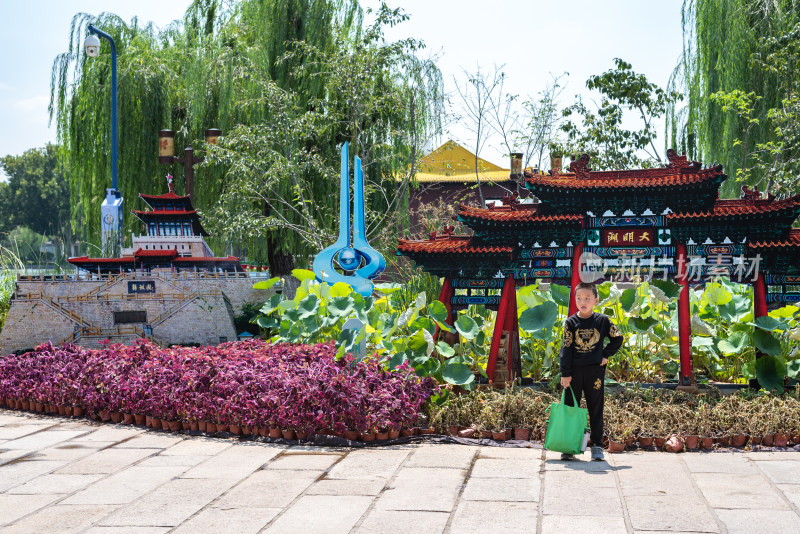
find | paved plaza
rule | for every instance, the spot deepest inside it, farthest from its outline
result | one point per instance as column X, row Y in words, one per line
column 58, row 475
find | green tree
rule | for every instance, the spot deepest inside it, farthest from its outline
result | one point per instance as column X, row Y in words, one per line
column 36, row 194
column 600, row 133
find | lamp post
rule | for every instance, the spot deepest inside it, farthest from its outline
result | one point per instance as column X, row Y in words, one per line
column 111, row 211
column 166, row 154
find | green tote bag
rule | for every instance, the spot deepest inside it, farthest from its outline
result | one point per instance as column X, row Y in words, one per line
column 565, row 426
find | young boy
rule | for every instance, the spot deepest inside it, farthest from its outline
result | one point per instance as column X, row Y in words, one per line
column 583, row 360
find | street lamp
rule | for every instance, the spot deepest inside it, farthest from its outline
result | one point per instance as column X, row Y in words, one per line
column 111, row 209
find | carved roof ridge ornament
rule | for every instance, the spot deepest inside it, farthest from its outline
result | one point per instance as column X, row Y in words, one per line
column 752, row 195
column 512, row 201
column 676, row 161
column 580, row 166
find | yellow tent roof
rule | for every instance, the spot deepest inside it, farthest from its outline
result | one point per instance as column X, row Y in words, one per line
column 452, row 162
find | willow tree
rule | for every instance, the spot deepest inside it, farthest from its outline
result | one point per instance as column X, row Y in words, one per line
column 186, row 77
column 723, row 42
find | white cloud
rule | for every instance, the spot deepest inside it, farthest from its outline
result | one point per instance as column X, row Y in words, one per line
column 34, row 103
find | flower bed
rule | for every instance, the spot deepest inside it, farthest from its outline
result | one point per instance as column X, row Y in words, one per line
column 250, row 385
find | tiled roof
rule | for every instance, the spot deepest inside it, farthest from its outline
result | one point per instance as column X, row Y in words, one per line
column 170, row 253
column 738, row 207
column 165, row 212
column 166, row 196
column 451, row 245
column 790, row 241
column 636, row 178
column 523, row 213
column 85, row 259
column 190, row 259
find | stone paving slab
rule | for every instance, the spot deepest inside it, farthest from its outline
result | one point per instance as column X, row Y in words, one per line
column 118, row 479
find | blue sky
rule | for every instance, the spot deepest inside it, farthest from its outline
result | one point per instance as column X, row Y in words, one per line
column 531, row 38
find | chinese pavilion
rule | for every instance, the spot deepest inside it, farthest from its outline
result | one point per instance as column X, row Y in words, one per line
column 174, row 241
column 662, row 222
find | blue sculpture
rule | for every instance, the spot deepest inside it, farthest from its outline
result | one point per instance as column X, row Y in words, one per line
column 356, row 257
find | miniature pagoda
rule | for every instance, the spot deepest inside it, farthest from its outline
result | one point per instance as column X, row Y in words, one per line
column 174, row 241
column 664, row 222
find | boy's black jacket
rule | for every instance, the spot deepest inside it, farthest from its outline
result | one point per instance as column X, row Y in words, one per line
column 582, row 343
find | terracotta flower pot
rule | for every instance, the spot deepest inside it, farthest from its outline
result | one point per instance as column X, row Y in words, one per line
column 629, row 442
column 62, row 410
column 724, row 440
column 646, row 441
column 186, row 425
column 201, row 426
column 659, row 442
column 427, row 431
column 222, row 428
column 781, row 440
column 105, row 415
column 796, row 439
column 382, row 436
column 165, row 425
column 263, row 431
column 194, row 426
column 77, row 411
column 522, row 434
column 156, row 423
column 211, row 428
column 674, row 444
column 26, row 405
column 301, row 434
column 128, row 419
column 707, row 443
column 692, row 441
column 615, row 446
column 148, row 421
column 116, row 417
column 367, row 436
column 246, row 431
column 486, row 434
column 755, row 440
column 175, row 426
column 467, row 433
column 739, row 440
column 351, row 435
column 236, row 430
column 288, row 434
column 407, row 432
column 275, row 432
column 394, row 434
column 452, row 430
column 768, row 440
column 499, row 436
column 38, row 406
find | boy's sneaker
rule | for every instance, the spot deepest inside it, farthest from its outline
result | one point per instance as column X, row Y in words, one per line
column 566, row 457
column 597, row 453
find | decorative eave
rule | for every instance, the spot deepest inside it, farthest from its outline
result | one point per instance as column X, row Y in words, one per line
column 169, row 253
column 790, row 243
column 206, row 259
column 513, row 223
column 192, row 215
column 448, row 253
column 780, row 256
column 680, row 185
column 176, row 200
column 515, row 215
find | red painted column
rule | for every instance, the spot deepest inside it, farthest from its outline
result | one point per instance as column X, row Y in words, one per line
column 684, row 318
column 759, row 296
column 577, row 250
column 508, row 295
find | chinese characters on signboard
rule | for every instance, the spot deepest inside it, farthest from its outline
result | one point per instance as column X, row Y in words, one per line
column 147, row 286
column 634, row 236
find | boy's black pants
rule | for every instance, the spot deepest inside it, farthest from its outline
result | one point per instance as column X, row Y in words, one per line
column 589, row 380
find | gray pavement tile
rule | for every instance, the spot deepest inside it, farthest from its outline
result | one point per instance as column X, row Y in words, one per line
column 390, row 521
column 60, row 518
column 510, row 453
column 106, row 461
column 506, row 468
column 574, row 478
column 371, row 486
column 43, row 439
column 726, row 490
column 127, row 530
column 782, row 471
column 16, row 430
column 682, row 514
column 582, row 462
column 496, row 517
column 23, row 470
column 502, row 489
column 369, row 463
column 642, row 481
column 11, row 418
column 235, row 462
column 566, row 494
column 315, row 462
column 13, row 507
column 197, row 447
column 719, row 462
column 268, row 489
column 115, row 433
column 571, row 524
column 149, row 440
column 759, row 521
column 766, row 456
column 10, row 456
column 321, row 514
column 238, row 520
column 452, row 456
column 432, row 490
column 792, row 492
column 125, row 486
column 69, row 451
column 161, row 460
column 170, row 504
column 55, row 484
